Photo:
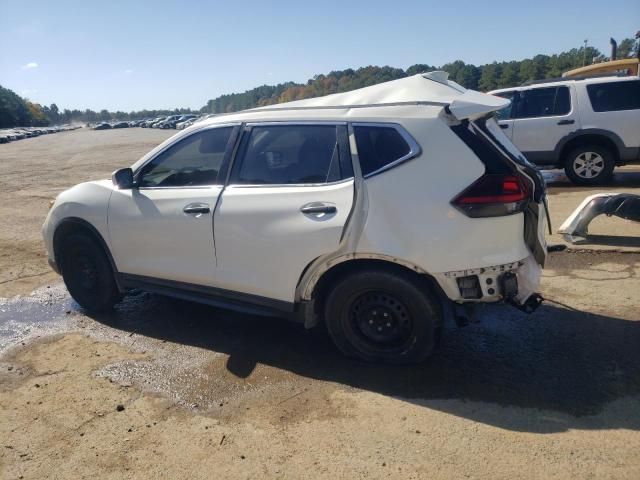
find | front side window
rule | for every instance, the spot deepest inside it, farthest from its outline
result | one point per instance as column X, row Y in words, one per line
column 379, row 146
column 505, row 113
column 543, row 102
column 193, row 161
column 289, row 154
column 614, row 96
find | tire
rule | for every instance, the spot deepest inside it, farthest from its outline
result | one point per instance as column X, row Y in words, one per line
column 87, row 273
column 380, row 316
column 589, row 165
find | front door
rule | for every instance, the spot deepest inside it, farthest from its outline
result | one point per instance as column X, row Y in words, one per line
column 163, row 228
column 503, row 116
column 289, row 196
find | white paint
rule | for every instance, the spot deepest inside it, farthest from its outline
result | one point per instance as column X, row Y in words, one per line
column 264, row 244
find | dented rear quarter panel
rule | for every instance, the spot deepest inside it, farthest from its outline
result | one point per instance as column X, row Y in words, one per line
column 410, row 215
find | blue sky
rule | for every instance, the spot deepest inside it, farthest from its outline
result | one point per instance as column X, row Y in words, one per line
column 126, row 55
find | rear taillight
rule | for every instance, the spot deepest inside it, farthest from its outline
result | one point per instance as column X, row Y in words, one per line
column 494, row 195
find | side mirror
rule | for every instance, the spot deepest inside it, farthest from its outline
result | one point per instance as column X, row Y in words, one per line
column 123, row 178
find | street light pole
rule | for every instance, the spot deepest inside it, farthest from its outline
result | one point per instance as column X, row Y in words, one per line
column 584, row 53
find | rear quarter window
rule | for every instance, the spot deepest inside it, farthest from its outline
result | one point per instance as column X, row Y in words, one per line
column 614, row 96
column 381, row 146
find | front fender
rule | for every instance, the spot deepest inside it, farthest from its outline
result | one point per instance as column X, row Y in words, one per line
column 88, row 202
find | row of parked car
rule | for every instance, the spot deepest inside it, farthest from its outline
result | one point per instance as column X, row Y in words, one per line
column 178, row 122
column 18, row 133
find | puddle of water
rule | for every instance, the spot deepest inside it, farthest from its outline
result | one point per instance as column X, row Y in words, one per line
column 46, row 311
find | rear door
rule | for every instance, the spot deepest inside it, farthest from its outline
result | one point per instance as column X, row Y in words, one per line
column 287, row 201
column 541, row 118
column 615, row 106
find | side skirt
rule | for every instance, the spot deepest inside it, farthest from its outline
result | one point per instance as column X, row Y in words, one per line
column 217, row 297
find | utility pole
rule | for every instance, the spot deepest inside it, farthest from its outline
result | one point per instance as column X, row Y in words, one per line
column 584, row 52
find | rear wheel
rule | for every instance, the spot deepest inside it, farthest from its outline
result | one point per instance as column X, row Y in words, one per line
column 589, row 165
column 87, row 273
column 381, row 316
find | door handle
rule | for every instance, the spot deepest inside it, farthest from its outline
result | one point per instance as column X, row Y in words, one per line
column 504, row 126
column 196, row 208
column 566, row 122
column 316, row 209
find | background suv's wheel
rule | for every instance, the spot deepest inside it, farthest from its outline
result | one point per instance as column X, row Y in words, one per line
column 381, row 316
column 589, row 165
column 87, row 273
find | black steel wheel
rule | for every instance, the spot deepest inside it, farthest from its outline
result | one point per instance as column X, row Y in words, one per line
column 382, row 316
column 87, row 273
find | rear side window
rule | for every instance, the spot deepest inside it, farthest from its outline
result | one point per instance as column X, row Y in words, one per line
column 290, row 154
column 379, row 146
column 614, row 96
column 543, row 102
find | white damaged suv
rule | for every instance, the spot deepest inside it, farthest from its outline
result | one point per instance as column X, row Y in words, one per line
column 375, row 211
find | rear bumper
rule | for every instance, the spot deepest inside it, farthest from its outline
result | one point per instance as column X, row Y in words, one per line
column 493, row 284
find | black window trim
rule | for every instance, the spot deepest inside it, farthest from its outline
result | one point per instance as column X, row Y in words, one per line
column 414, row 147
column 246, row 130
column 220, row 183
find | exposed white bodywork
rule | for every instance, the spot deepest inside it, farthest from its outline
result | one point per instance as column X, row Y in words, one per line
column 256, row 241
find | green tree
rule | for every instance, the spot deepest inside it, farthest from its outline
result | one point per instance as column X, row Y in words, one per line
column 490, row 76
column 510, row 75
column 627, row 48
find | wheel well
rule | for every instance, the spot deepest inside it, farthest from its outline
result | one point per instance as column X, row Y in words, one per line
column 75, row 226
column 591, row 139
column 331, row 276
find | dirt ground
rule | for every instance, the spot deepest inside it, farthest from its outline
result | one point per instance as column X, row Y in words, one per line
column 169, row 389
column 34, row 171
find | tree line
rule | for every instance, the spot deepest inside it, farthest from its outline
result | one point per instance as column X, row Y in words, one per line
column 477, row 77
column 18, row 111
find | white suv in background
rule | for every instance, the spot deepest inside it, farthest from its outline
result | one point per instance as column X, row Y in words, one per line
column 586, row 126
column 375, row 211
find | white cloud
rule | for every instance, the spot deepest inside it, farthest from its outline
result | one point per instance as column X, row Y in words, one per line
column 128, row 71
column 29, row 66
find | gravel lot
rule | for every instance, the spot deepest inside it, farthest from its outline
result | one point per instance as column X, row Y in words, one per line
column 168, row 389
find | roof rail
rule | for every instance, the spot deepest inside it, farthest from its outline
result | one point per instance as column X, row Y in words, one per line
column 578, row 77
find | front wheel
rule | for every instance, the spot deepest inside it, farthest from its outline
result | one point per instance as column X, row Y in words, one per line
column 589, row 165
column 87, row 273
column 381, row 316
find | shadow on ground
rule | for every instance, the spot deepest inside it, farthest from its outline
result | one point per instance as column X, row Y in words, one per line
column 611, row 240
column 557, row 359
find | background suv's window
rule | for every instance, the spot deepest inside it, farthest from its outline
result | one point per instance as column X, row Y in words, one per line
column 505, row 113
column 289, row 154
column 379, row 146
column 543, row 102
column 614, row 96
column 193, row 161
